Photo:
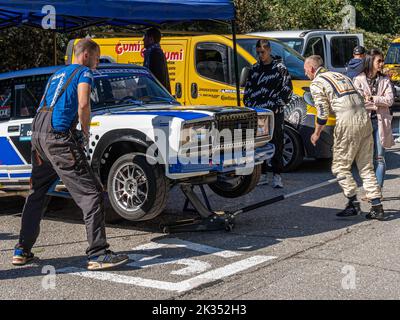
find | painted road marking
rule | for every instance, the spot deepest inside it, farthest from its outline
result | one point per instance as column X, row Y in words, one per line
column 179, row 243
column 182, row 286
column 192, row 267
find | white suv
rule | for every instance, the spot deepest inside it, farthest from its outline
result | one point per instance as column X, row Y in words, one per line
column 335, row 47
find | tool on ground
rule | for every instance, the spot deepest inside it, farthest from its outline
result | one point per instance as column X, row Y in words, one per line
column 225, row 220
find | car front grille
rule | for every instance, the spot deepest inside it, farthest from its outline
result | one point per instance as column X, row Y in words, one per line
column 235, row 121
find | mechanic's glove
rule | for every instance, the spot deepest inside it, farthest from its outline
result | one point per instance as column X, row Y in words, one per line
column 81, row 138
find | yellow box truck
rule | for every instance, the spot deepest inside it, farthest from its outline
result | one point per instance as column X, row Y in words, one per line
column 201, row 70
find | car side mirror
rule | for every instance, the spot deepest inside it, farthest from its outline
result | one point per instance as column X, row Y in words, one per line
column 243, row 76
column 309, row 99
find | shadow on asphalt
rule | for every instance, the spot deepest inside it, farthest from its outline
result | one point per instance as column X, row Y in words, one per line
column 293, row 218
column 8, row 236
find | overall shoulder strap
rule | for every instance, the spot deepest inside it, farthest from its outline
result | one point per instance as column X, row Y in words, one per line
column 65, row 86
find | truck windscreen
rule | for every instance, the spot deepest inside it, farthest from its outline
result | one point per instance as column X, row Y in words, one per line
column 293, row 61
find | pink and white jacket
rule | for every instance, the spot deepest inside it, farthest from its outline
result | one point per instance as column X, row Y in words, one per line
column 381, row 104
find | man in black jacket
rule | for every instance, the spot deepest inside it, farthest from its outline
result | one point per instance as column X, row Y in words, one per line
column 269, row 86
column 154, row 58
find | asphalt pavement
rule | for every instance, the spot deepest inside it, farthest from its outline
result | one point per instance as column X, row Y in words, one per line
column 293, row 249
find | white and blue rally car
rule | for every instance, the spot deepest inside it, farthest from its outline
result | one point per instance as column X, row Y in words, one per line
column 138, row 145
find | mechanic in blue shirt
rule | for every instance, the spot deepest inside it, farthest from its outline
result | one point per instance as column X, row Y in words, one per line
column 58, row 152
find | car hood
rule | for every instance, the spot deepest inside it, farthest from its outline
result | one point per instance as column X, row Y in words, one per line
column 184, row 112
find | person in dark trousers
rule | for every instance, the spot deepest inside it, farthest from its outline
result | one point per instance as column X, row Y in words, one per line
column 58, row 152
column 154, row 58
column 356, row 65
column 269, row 86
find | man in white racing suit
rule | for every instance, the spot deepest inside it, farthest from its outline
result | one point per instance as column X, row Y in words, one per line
column 334, row 93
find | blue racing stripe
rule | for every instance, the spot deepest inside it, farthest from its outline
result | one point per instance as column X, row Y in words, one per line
column 8, row 155
column 3, row 175
column 20, row 175
column 172, row 114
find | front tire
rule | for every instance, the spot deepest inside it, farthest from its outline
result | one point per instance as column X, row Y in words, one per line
column 293, row 152
column 236, row 186
column 137, row 190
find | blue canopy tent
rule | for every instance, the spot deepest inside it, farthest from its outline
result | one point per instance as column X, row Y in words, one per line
column 72, row 15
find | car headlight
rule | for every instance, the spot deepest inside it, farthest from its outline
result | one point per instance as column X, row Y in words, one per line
column 193, row 133
column 263, row 125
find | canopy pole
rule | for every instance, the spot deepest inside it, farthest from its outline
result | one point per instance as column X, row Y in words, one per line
column 55, row 48
column 235, row 59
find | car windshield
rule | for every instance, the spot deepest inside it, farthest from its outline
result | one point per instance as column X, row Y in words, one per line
column 294, row 43
column 290, row 58
column 133, row 87
column 393, row 54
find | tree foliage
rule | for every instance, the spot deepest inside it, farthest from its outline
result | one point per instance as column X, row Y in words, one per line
column 379, row 20
column 379, row 16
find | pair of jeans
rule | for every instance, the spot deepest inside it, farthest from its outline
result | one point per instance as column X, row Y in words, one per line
column 379, row 154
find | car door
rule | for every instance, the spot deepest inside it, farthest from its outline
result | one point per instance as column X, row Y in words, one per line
column 211, row 77
column 7, row 154
column 15, row 133
column 340, row 50
column 315, row 46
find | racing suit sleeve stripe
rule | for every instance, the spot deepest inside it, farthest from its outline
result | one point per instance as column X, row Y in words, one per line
column 321, row 101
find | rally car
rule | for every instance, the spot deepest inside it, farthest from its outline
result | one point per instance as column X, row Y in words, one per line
column 142, row 140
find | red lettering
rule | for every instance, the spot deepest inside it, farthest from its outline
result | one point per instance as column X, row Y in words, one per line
column 118, row 49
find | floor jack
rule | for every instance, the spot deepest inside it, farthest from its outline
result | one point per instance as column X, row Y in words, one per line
column 223, row 220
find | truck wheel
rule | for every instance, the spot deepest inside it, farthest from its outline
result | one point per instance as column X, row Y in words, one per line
column 293, row 152
column 236, row 186
column 137, row 190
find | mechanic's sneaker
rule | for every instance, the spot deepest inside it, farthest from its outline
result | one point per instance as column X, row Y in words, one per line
column 263, row 180
column 352, row 209
column 106, row 261
column 277, row 181
column 21, row 257
column 376, row 212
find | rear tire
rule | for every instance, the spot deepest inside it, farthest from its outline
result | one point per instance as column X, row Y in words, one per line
column 236, row 186
column 137, row 190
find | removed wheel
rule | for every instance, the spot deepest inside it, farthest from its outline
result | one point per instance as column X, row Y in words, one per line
column 137, row 190
column 228, row 186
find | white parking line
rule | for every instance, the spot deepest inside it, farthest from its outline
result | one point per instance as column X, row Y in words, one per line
column 193, row 266
column 182, row 286
column 179, row 243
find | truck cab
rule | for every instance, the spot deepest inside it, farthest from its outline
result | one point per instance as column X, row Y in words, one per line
column 335, row 47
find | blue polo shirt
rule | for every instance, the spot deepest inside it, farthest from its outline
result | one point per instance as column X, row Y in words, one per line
column 66, row 107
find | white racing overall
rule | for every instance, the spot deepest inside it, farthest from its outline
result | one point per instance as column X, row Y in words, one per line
column 334, row 93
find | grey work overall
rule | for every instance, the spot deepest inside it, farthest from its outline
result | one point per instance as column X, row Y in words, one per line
column 59, row 155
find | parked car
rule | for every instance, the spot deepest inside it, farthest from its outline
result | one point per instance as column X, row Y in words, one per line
column 138, row 146
column 392, row 66
column 335, row 47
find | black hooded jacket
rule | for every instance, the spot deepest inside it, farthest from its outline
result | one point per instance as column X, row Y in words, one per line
column 268, row 86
